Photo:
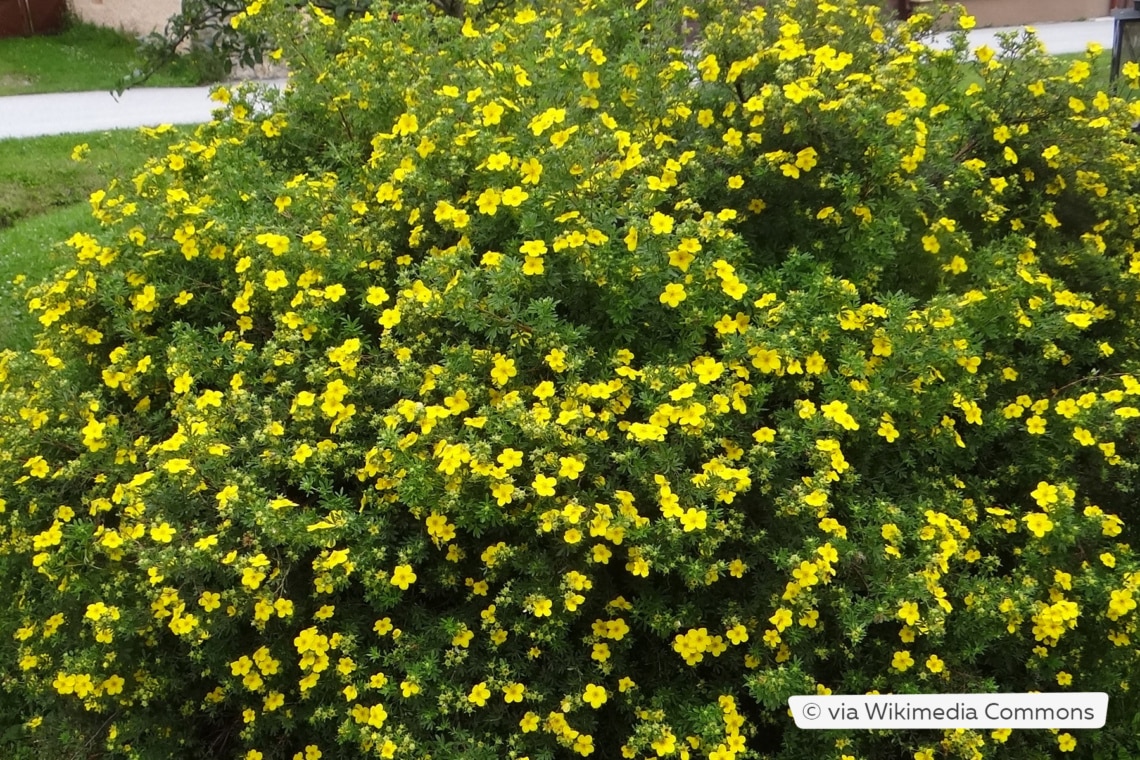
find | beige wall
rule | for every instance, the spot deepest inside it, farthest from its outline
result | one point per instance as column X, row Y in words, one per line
column 137, row 16
column 1013, row 12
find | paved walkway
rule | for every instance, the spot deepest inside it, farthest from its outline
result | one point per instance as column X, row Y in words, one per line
column 1072, row 37
column 66, row 112
column 61, row 113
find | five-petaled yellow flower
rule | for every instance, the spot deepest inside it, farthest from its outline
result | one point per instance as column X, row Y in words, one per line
column 403, row 576
column 1039, row 524
column 902, row 660
column 595, row 696
column 479, row 694
column 673, row 295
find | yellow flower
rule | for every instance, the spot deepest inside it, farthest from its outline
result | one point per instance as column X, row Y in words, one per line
column 694, row 519
column 1066, row 742
column 806, row 575
column 661, row 224
column 1039, row 524
column 510, row 458
column 1045, row 494
column 707, row 369
column 831, row 525
column 673, row 295
column 514, row 196
column 1120, row 604
column 767, row 360
column 503, row 370
column 492, row 113
column 406, row 124
column 915, row 97
column 595, row 696
column 210, row 601
column 902, row 660
column 275, row 279
column 531, row 171
column 302, row 453
column 807, row 159
column 816, row 498
column 37, row 467
column 488, row 201
column 498, row 161
column 570, row 467
column 479, row 694
column 377, row 295
column 544, row 485
column 252, row 577
column 556, row 360
column 403, row 576
column 162, row 533
column 513, row 692
column 908, row 612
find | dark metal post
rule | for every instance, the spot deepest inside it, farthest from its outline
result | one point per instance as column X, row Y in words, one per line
column 1124, row 30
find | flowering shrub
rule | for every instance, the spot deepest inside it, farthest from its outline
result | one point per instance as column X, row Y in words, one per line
column 539, row 387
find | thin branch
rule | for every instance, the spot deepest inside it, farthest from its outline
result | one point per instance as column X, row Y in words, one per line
column 1086, row 379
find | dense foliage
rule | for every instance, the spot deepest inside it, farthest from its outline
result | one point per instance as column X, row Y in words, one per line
column 587, row 383
column 211, row 34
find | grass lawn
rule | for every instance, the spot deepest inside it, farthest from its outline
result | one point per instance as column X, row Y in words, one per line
column 82, row 57
column 43, row 201
column 38, row 175
column 30, row 249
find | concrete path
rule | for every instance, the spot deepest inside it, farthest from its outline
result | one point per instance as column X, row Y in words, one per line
column 67, row 112
column 1072, row 37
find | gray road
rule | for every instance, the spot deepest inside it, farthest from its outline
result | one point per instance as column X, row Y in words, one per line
column 31, row 115
column 62, row 113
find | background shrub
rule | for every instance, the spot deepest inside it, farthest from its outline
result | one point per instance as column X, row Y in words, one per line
column 539, row 387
